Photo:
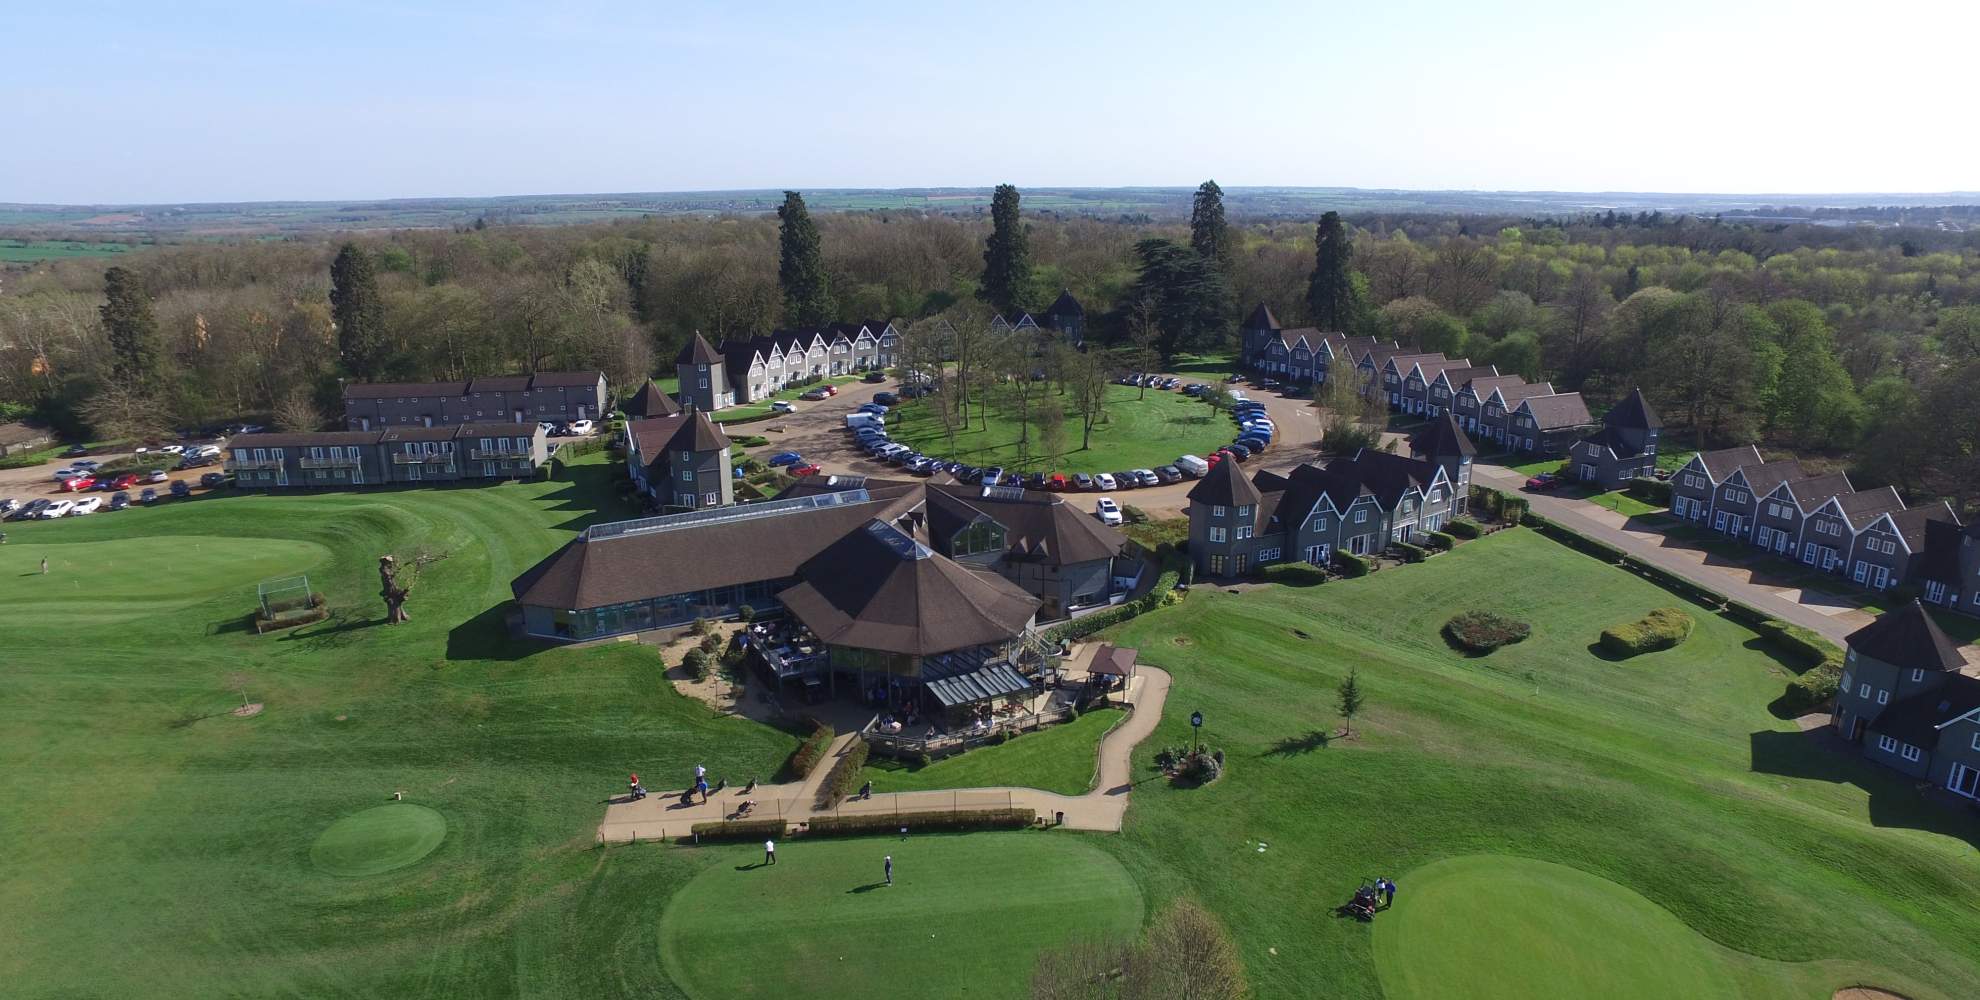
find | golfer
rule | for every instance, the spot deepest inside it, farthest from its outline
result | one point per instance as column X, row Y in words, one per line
column 1388, row 893
column 769, row 852
column 889, row 868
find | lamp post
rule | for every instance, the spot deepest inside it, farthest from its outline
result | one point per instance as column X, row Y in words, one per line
column 1196, row 731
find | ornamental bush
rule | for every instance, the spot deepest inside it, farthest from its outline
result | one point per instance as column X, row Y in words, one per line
column 844, row 777
column 1441, row 541
column 1295, row 574
column 1481, row 632
column 805, row 758
column 1412, row 553
column 1351, row 565
column 1660, row 629
column 1463, row 528
column 741, row 829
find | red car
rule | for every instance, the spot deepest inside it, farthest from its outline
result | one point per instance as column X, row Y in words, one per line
column 1058, row 481
column 1543, row 482
column 806, row 469
column 830, row 390
column 125, row 481
column 78, row 484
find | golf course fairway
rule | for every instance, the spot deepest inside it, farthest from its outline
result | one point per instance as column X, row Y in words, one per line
column 966, row 916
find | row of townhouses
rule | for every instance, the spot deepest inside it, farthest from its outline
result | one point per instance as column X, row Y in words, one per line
column 1821, row 520
column 1905, row 698
column 545, row 397
column 1359, row 505
column 342, row 459
column 748, row 370
column 1503, row 409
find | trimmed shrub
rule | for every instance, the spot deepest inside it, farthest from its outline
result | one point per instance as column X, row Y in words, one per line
column 1745, row 614
column 710, row 642
column 1674, row 583
column 696, row 663
column 1650, row 491
column 1660, row 629
column 1464, row 528
column 700, row 626
column 1294, row 574
column 1484, row 631
column 745, row 614
column 1812, row 689
column 1351, row 565
column 1442, row 542
column 922, row 822
column 1134, row 515
column 1575, row 539
column 1412, row 553
column 749, row 440
column 844, row 777
column 741, row 829
column 805, row 758
column 1081, row 627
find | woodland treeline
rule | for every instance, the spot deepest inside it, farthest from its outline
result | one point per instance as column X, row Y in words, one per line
column 1856, row 347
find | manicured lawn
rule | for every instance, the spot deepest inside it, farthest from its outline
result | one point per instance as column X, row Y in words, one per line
column 1138, row 432
column 1057, row 759
column 1665, row 774
column 965, row 916
column 762, row 406
column 1622, row 503
column 1533, row 467
column 144, row 822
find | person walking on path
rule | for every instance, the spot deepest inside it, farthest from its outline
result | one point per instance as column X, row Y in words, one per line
column 866, row 790
column 701, row 785
column 889, row 868
column 769, row 852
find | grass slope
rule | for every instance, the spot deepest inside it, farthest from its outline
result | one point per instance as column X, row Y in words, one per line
column 964, row 917
column 143, row 821
column 1665, row 774
column 1136, row 433
column 1059, row 759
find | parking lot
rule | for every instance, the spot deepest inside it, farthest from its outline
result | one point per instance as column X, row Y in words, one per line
column 39, row 482
column 817, row 431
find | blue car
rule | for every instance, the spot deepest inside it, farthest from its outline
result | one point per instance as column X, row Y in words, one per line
column 874, row 408
column 786, row 458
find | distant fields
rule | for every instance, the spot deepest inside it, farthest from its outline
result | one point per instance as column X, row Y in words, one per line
column 32, row 251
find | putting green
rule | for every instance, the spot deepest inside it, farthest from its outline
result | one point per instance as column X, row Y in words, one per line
column 380, row 839
column 966, row 916
column 93, row 583
column 1489, row 926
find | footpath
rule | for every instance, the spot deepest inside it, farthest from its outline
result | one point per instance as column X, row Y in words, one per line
column 1102, row 808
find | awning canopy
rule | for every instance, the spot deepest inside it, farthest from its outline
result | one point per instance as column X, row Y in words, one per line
column 994, row 681
column 1116, row 661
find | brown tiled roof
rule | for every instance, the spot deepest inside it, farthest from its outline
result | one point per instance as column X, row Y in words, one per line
column 1112, row 660
column 499, row 383
column 1261, row 318
column 1633, row 412
column 1482, row 387
column 877, row 588
column 651, row 435
column 1512, row 395
column 1430, row 368
column 1908, row 638
column 1457, row 377
column 1810, row 492
column 1224, row 487
column 1863, row 506
column 1562, row 409
column 576, row 380
column 1724, row 462
column 698, row 433
column 651, row 401
column 1442, row 437
column 697, row 351
column 394, row 390
column 1762, row 478
column 302, row 439
column 1039, row 527
column 1911, row 522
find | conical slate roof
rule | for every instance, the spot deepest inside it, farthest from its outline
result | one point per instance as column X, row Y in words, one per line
column 1633, row 411
column 698, row 351
column 1909, row 639
column 1442, row 437
column 1066, row 305
column 1224, row 487
column 698, row 433
column 1261, row 318
column 651, row 401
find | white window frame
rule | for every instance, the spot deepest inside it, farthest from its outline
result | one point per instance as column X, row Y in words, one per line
column 1883, row 696
column 1887, row 744
column 1217, row 534
column 1217, row 510
column 1909, row 752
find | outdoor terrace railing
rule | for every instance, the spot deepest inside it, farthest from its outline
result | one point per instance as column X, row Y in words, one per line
column 907, row 744
column 254, row 463
column 328, row 463
column 437, row 458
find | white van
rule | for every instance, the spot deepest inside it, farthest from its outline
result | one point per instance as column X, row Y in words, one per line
column 1195, row 467
column 854, row 421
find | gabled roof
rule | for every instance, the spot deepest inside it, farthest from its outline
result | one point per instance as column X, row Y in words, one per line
column 1762, row 478
column 1633, row 412
column 1386, row 475
column 1940, row 559
column 1224, row 487
column 1482, row 387
column 302, row 439
column 1724, row 462
column 651, row 401
column 1862, row 507
column 1261, row 318
column 567, row 380
column 1910, row 523
column 1510, row 396
column 1403, row 362
column 1038, row 527
column 1454, row 376
column 878, row 588
column 1065, row 305
column 1809, row 492
column 1917, row 719
column 1562, row 409
column 1442, row 437
column 697, row 351
column 1907, row 638
column 1430, row 368
column 499, row 383
column 1614, row 441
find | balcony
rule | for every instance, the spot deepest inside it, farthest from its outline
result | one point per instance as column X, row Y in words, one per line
column 254, row 463
column 496, row 455
column 437, row 458
column 350, row 462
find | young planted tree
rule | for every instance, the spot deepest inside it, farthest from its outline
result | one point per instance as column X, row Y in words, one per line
column 801, row 266
column 1330, row 294
column 1007, row 255
column 1086, row 386
column 1050, row 417
column 1350, row 700
column 132, row 330
column 1350, row 420
column 1209, row 236
column 359, row 312
column 1143, row 350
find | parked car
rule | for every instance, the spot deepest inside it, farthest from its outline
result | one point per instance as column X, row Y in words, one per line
column 1269, row 384
column 1108, row 511
column 180, row 489
column 69, row 472
column 917, row 390
column 148, row 495
column 877, row 409
column 30, row 510
column 119, row 501
column 56, row 509
column 1168, row 474
column 994, row 476
column 1192, row 466
column 124, row 482
column 1543, row 482
column 156, row 476
column 1104, row 481
column 804, row 470
column 8, row 506
column 580, row 428
column 874, row 377
column 75, row 451
column 1237, row 451
column 213, row 480
column 77, row 484
column 1126, row 480
column 783, row 406
column 886, row 399
column 1035, row 481
column 786, row 458
column 1147, row 477
column 812, row 395
column 87, row 505
column 1195, row 389
column 969, row 474
column 172, row 449
column 1058, row 482
column 1082, row 481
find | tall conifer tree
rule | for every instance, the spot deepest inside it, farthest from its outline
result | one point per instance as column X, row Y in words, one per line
column 1207, row 232
column 1007, row 255
column 359, row 311
column 801, row 266
column 132, row 330
column 1330, row 294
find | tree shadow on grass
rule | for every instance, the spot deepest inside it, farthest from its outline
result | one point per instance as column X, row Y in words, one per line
column 1896, row 799
column 334, row 631
column 1302, row 744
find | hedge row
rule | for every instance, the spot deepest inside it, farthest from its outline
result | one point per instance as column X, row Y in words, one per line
column 1660, row 629
column 1822, row 663
column 1501, row 505
column 1294, row 574
column 922, row 822
column 1484, row 631
column 1650, row 491
column 583, row 446
column 1412, row 553
column 749, row 440
column 1443, row 541
column 741, row 829
column 1674, row 583
column 1463, row 528
column 1574, row 539
column 1351, row 565
column 844, row 776
column 805, row 758
column 1085, row 625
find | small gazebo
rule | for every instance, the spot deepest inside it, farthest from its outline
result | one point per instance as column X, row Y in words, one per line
column 1111, row 661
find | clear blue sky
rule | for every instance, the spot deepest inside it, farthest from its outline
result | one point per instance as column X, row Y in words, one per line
column 204, row 100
